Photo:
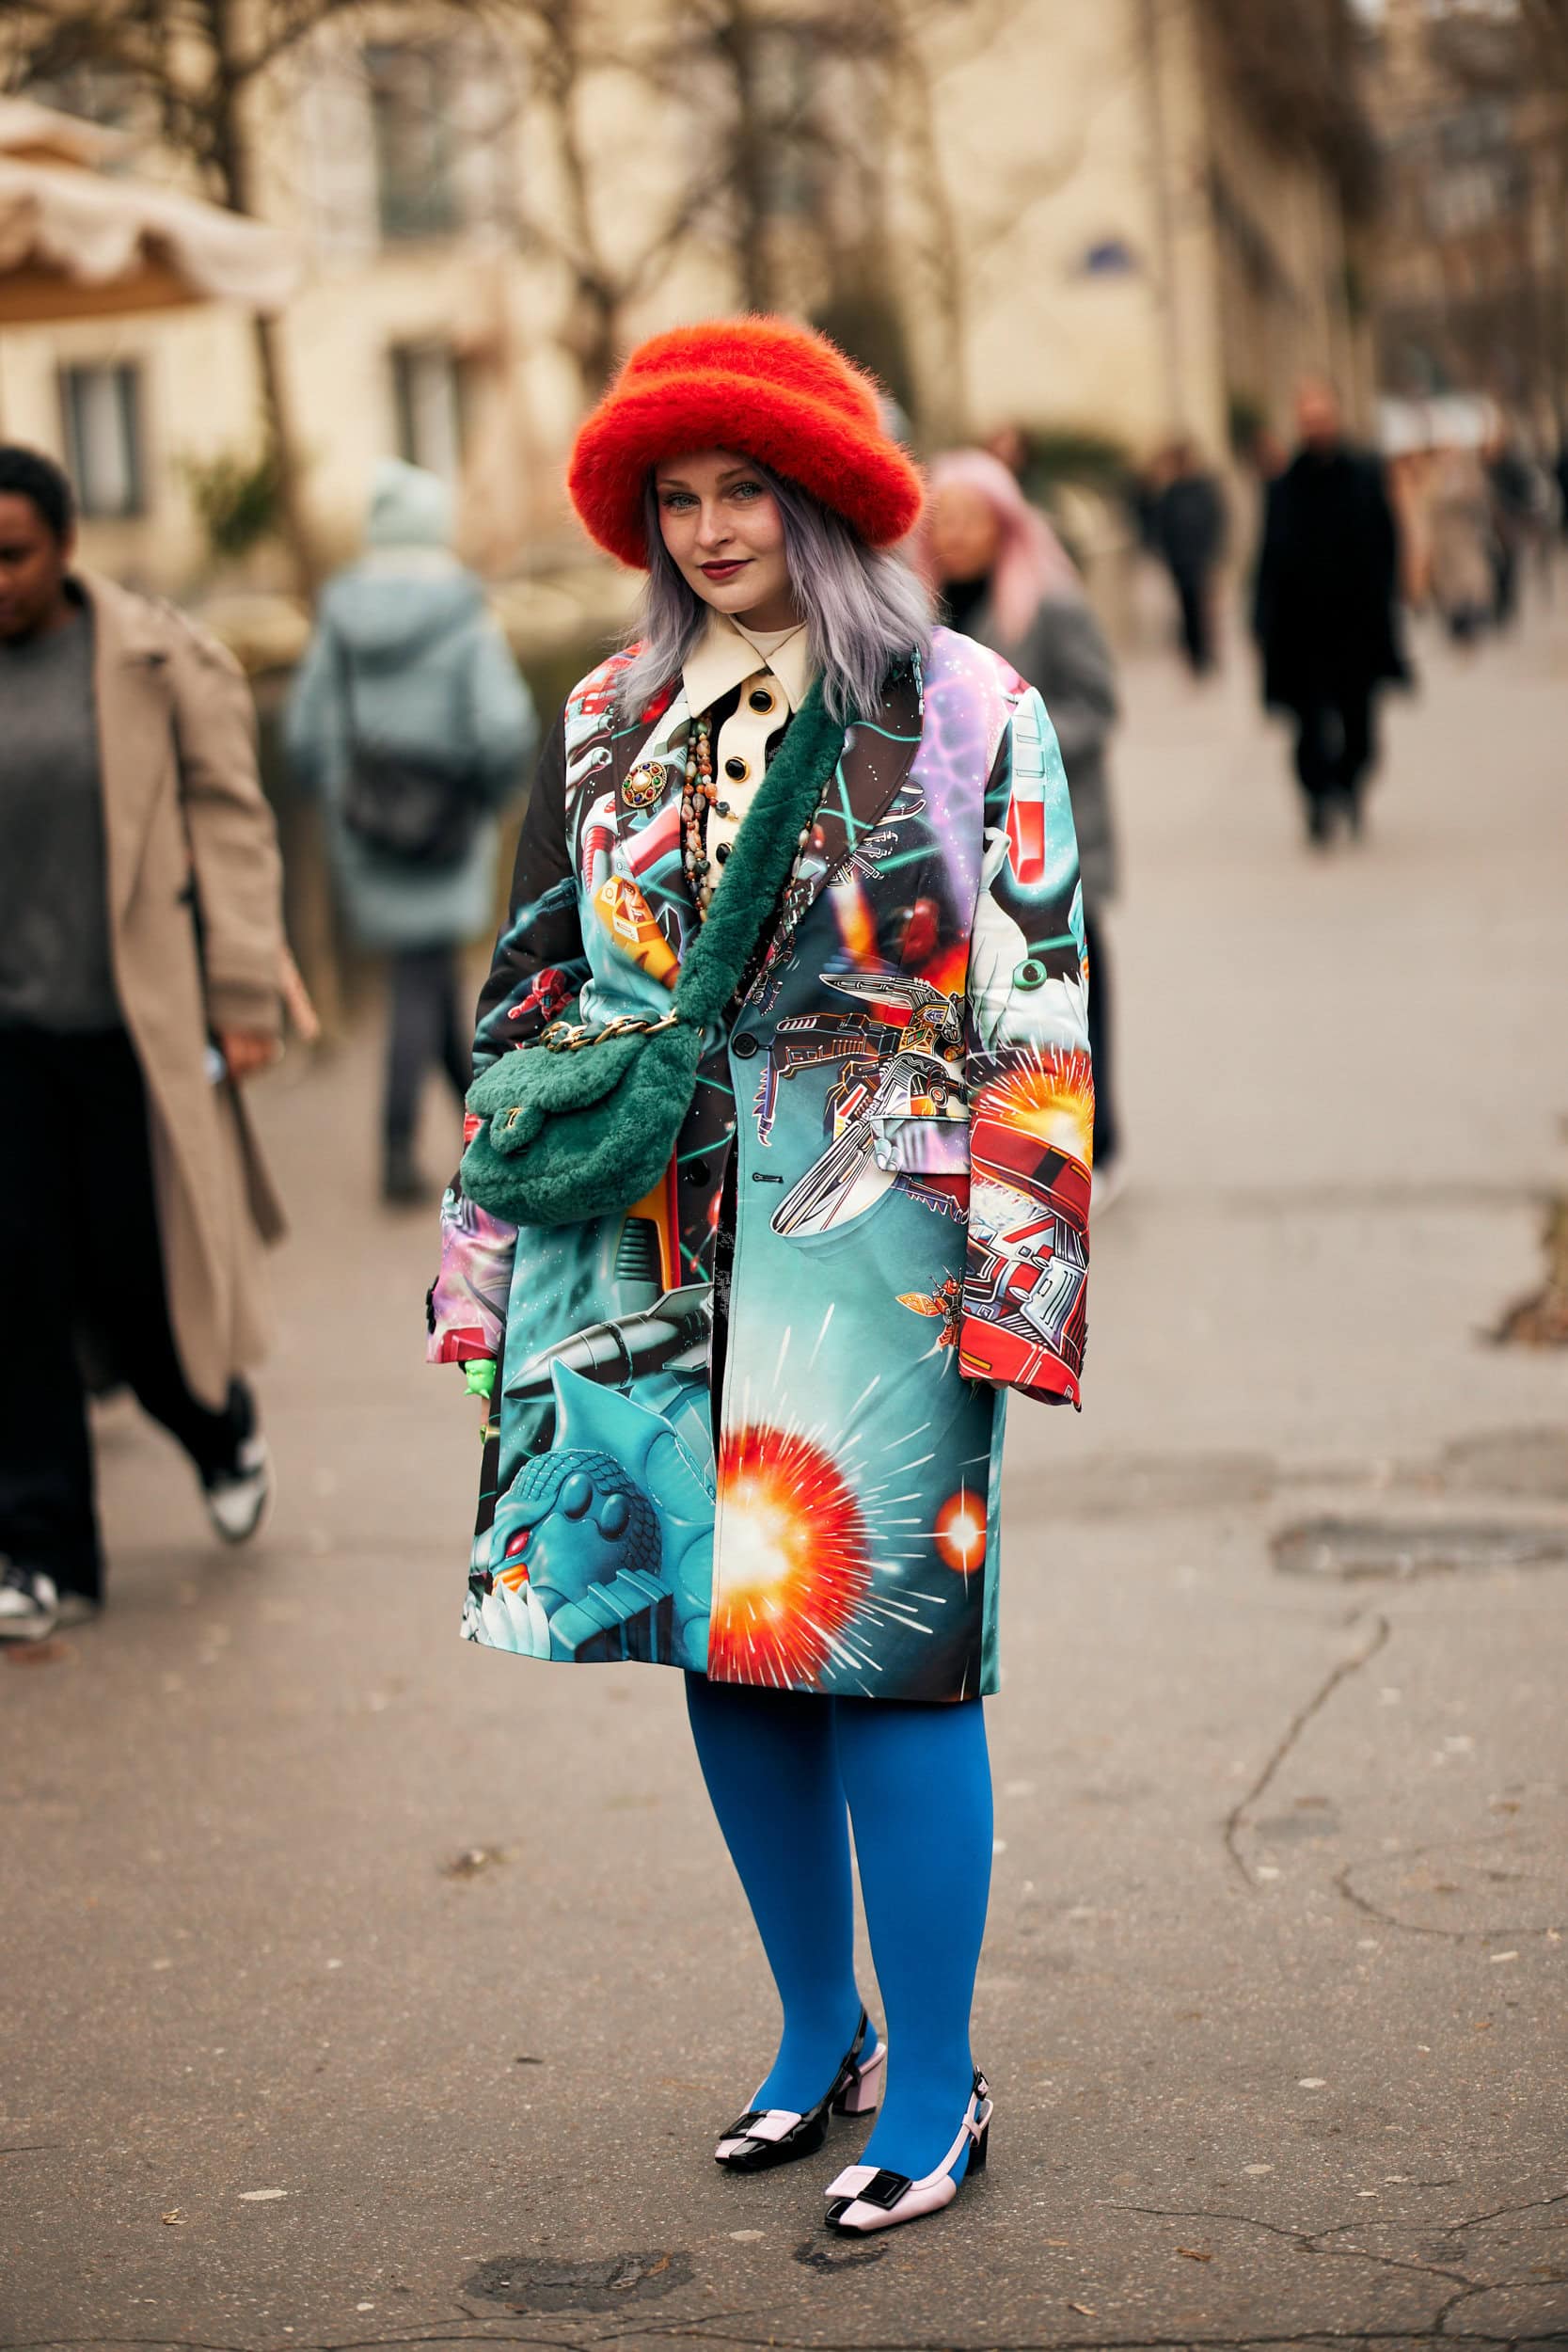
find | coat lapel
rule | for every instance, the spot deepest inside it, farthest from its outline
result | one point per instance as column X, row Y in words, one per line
column 129, row 679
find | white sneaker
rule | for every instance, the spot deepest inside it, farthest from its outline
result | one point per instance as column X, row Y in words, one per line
column 238, row 1500
column 29, row 1604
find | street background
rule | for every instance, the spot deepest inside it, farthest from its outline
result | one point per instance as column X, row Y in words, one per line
column 379, row 1990
column 364, row 1988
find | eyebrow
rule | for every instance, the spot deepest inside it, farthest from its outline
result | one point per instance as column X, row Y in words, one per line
column 678, row 482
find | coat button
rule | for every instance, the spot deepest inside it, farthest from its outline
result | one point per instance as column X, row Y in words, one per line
column 743, row 1047
column 738, row 767
column 761, row 700
column 721, row 852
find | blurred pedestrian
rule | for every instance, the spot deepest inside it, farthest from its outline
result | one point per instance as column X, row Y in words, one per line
column 140, row 948
column 1324, row 610
column 1009, row 445
column 1514, row 490
column 798, row 879
column 409, row 719
column 1463, row 543
column 1007, row 581
column 1187, row 521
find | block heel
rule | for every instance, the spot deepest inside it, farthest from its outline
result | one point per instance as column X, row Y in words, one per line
column 766, row 2137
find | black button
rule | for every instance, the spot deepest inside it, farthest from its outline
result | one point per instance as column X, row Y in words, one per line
column 699, row 1172
column 744, row 1046
column 721, row 852
column 736, row 768
column 762, row 700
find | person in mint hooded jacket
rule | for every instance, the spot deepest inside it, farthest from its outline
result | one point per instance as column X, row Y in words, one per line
column 407, row 659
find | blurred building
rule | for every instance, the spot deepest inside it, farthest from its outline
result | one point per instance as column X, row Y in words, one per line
column 1473, row 266
column 1110, row 223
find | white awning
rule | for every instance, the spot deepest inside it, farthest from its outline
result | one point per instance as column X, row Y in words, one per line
column 76, row 242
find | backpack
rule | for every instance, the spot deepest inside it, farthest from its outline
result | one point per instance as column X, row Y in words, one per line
column 407, row 808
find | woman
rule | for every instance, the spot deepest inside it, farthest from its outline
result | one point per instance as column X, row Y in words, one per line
column 1460, row 523
column 140, row 950
column 1006, row 577
column 749, row 1425
column 407, row 670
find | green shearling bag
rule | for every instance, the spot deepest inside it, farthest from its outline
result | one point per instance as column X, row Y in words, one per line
column 579, row 1124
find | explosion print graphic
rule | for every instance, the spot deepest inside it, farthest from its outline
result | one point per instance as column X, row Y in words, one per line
column 797, row 1560
column 1052, row 1096
column 959, row 1532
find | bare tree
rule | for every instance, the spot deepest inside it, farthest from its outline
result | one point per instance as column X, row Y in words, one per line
column 190, row 68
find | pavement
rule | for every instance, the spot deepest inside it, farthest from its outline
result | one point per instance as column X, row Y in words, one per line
column 367, row 1989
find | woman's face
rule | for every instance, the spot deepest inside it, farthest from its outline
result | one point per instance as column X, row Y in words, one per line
column 966, row 536
column 722, row 527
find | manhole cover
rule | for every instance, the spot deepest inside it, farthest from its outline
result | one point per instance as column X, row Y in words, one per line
column 1511, row 1462
column 1355, row 1551
column 537, row 2282
column 1122, row 1486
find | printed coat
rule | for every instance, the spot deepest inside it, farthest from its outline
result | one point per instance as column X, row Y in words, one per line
column 754, row 1424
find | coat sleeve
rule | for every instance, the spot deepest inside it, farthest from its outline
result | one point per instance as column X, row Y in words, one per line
column 1031, row 1087
column 1069, row 662
column 537, row 968
column 505, row 724
column 233, row 840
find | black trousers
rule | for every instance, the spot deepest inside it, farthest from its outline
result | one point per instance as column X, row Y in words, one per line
column 79, row 1248
column 1108, row 1132
column 1198, row 619
column 1335, row 745
column 426, row 1032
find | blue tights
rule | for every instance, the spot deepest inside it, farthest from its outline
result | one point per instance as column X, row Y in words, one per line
column 786, row 1774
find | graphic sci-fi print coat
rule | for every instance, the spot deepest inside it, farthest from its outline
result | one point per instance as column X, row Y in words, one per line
column 793, row 1481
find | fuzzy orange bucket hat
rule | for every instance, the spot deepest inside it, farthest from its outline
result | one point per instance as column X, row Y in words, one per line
column 778, row 392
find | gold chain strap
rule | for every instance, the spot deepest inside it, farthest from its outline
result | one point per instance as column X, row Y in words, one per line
column 563, row 1037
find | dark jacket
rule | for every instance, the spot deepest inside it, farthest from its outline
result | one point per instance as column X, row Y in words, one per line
column 1189, row 523
column 1325, row 611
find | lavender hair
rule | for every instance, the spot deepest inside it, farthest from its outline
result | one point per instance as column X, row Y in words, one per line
column 863, row 608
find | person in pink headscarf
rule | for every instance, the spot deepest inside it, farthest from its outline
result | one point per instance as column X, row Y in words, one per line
column 1006, row 579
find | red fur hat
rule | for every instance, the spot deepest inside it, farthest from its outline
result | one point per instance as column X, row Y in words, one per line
column 778, row 392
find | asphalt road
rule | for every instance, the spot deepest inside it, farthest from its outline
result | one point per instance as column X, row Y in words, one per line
column 363, row 1989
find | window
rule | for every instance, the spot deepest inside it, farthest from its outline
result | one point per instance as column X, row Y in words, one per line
column 412, row 126
column 101, row 410
column 430, row 385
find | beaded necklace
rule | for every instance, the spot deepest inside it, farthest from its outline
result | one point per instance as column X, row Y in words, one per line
column 698, row 794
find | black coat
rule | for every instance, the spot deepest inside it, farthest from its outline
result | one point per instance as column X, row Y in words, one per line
column 1325, row 614
column 1189, row 523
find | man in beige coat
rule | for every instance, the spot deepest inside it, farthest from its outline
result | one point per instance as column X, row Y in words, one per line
column 140, row 951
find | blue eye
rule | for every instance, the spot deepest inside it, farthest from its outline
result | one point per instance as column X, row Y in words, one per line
column 747, row 490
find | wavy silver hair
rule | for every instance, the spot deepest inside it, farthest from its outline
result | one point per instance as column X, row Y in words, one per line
column 863, row 607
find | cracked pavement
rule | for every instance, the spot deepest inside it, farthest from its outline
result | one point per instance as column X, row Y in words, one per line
column 350, row 1970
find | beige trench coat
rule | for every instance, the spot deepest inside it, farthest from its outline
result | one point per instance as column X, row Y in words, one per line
column 188, row 827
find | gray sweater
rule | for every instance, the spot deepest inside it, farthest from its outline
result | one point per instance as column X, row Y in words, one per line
column 55, row 967
column 1064, row 655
